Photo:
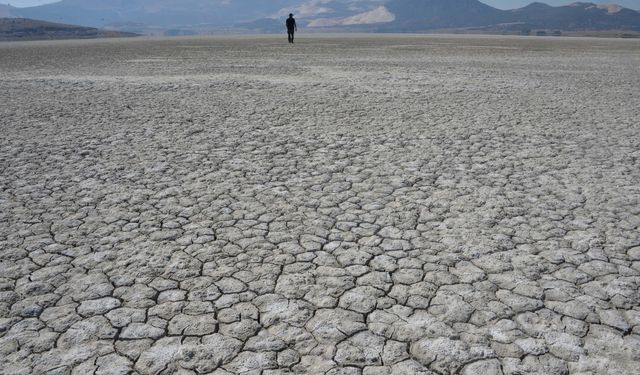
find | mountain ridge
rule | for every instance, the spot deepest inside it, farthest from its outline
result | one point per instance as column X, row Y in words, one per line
column 386, row 15
column 13, row 29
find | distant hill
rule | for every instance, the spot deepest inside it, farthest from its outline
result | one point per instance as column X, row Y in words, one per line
column 577, row 16
column 100, row 13
column 372, row 15
column 422, row 15
column 414, row 15
column 28, row 29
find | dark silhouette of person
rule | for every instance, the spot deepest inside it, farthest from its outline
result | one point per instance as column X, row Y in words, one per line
column 291, row 27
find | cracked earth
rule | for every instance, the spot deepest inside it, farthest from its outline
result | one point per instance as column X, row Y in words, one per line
column 356, row 205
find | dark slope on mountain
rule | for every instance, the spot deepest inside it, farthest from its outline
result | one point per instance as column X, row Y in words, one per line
column 28, row 29
column 438, row 14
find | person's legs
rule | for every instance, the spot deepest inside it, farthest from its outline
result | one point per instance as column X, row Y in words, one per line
column 290, row 35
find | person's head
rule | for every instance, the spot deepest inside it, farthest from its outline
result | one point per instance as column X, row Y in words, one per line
column 290, row 15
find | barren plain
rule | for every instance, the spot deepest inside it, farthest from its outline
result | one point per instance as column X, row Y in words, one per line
column 346, row 205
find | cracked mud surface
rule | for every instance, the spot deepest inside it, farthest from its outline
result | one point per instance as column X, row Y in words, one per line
column 389, row 205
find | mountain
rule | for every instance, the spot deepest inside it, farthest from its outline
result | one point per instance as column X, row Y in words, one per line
column 27, row 29
column 99, row 13
column 412, row 15
column 420, row 15
column 577, row 16
column 200, row 16
column 515, row 4
column 374, row 16
column 5, row 10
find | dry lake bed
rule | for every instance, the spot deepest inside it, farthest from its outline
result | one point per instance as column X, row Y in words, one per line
column 346, row 205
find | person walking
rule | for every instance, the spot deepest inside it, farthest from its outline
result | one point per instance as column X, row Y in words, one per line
column 291, row 27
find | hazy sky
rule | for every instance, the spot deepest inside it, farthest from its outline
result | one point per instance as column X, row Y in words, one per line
column 504, row 4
